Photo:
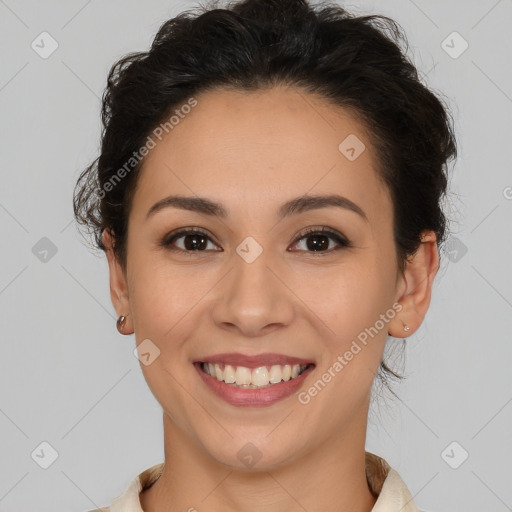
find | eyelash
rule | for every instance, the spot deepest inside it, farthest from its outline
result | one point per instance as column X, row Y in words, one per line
column 343, row 242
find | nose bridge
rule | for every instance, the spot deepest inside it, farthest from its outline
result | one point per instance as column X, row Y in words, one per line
column 251, row 276
column 252, row 296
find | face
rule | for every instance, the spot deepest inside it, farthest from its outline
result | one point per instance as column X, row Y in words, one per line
column 254, row 282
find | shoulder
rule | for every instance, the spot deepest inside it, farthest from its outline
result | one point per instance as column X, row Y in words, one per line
column 129, row 498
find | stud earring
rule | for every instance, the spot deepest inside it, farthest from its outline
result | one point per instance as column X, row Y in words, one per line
column 120, row 323
column 406, row 327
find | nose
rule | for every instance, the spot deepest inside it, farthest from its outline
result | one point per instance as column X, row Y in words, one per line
column 253, row 299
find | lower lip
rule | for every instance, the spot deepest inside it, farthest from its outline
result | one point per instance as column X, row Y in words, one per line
column 253, row 397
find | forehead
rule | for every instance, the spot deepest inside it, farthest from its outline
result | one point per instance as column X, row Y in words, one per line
column 260, row 148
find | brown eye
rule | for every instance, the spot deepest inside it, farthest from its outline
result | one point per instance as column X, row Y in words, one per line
column 194, row 240
column 319, row 240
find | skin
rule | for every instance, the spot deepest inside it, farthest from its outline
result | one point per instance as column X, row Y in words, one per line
column 252, row 152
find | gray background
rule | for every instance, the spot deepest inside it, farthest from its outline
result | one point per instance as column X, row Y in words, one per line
column 68, row 378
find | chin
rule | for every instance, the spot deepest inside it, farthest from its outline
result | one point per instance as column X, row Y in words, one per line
column 253, row 453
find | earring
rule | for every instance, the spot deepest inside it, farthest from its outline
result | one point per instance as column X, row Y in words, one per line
column 406, row 327
column 120, row 323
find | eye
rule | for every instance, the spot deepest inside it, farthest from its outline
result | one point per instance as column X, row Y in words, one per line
column 194, row 240
column 319, row 240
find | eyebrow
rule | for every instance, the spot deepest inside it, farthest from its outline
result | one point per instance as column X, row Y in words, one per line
column 294, row 206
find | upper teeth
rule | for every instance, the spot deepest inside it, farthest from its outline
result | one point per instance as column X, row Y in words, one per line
column 257, row 377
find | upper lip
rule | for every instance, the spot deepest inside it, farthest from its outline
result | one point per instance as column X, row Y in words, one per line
column 266, row 359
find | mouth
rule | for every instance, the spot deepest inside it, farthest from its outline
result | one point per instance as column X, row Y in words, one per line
column 253, row 380
column 256, row 378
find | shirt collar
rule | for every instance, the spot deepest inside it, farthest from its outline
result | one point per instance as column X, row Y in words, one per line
column 385, row 482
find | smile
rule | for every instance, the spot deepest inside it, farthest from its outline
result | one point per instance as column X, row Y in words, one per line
column 253, row 381
column 257, row 378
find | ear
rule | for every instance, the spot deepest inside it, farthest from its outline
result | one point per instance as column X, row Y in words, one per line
column 118, row 283
column 416, row 287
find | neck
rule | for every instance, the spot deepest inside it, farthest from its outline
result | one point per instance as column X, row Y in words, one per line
column 332, row 478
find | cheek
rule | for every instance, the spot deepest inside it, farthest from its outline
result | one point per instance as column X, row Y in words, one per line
column 349, row 304
column 349, row 296
column 162, row 305
column 160, row 293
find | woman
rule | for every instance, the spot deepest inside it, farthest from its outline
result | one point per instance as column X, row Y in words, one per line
column 268, row 197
